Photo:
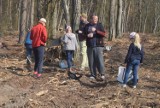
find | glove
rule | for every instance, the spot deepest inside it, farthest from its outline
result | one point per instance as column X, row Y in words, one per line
column 93, row 29
column 79, row 31
column 90, row 35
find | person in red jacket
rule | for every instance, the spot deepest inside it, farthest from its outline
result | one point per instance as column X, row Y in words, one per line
column 39, row 38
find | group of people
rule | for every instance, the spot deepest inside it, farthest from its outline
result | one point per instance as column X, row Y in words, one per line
column 91, row 35
column 91, row 44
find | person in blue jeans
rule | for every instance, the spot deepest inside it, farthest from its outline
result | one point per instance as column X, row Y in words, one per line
column 134, row 58
column 39, row 38
column 28, row 45
column 70, row 45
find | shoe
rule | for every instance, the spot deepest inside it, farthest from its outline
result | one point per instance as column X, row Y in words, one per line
column 35, row 73
column 134, row 87
column 124, row 85
column 92, row 77
column 39, row 75
column 103, row 77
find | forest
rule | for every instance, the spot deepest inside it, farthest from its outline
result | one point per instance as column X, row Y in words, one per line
column 18, row 87
column 117, row 16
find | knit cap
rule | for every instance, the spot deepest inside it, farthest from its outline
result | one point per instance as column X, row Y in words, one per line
column 132, row 35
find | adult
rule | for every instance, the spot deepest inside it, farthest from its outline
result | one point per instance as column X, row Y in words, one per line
column 39, row 38
column 82, row 41
column 94, row 39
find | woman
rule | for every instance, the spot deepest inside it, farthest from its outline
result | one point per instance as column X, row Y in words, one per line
column 133, row 58
column 70, row 45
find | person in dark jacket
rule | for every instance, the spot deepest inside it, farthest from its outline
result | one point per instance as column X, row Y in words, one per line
column 134, row 58
column 95, row 33
column 28, row 45
column 82, row 41
column 39, row 38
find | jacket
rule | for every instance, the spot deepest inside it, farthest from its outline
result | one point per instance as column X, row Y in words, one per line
column 134, row 53
column 27, row 39
column 70, row 42
column 38, row 35
column 98, row 35
column 81, row 36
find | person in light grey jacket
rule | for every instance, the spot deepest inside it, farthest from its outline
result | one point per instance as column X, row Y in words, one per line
column 70, row 45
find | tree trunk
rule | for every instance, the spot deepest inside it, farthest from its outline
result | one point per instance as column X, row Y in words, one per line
column 32, row 13
column 112, row 28
column 156, row 24
column 124, row 15
column 76, row 14
column 60, row 16
column 145, row 21
column 22, row 21
column 119, row 19
column 39, row 14
column 0, row 15
column 19, row 15
column 66, row 12
column 0, row 8
column 140, row 15
column 28, row 8
column 10, row 14
column 90, row 7
column 101, row 11
column 54, row 20
column 127, row 17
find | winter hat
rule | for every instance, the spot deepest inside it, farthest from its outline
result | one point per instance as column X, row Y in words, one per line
column 68, row 27
column 42, row 20
column 132, row 35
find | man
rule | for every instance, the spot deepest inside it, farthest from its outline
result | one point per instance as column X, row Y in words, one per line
column 39, row 38
column 82, row 41
column 94, row 40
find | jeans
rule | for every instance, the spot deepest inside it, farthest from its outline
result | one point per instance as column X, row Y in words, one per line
column 28, row 52
column 69, row 54
column 95, row 60
column 38, row 55
column 135, row 65
column 83, row 50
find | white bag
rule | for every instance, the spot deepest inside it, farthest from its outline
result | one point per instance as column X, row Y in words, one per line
column 63, row 64
column 121, row 74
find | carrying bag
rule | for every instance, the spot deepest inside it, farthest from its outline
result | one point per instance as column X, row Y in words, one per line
column 63, row 64
column 121, row 74
column 74, row 75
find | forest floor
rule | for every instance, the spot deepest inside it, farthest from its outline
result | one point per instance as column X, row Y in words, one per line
column 19, row 89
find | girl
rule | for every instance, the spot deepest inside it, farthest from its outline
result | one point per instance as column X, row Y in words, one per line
column 133, row 58
column 70, row 45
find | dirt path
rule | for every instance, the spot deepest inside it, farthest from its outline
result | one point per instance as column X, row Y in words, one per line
column 18, row 88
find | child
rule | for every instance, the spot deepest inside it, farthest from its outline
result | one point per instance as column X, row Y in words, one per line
column 28, row 45
column 133, row 58
column 70, row 45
